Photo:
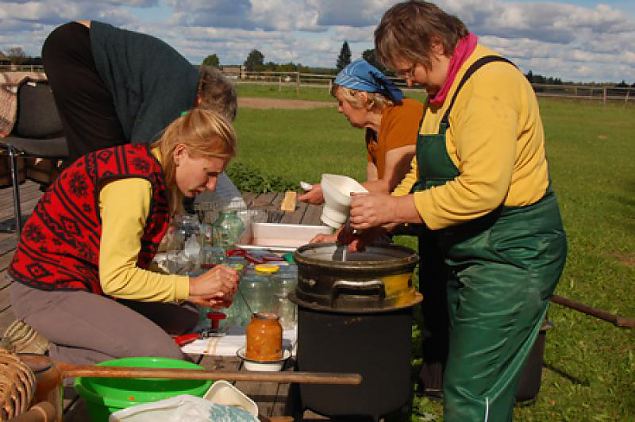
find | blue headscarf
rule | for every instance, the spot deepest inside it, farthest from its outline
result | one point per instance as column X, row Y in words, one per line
column 363, row 76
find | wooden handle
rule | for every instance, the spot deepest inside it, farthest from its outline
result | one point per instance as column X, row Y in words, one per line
column 598, row 313
column 70, row 370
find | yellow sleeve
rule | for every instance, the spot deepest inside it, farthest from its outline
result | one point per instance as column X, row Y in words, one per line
column 484, row 131
column 403, row 188
column 124, row 206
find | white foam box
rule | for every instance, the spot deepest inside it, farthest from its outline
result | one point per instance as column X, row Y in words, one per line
column 282, row 237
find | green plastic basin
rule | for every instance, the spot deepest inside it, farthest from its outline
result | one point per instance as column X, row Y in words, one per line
column 104, row 396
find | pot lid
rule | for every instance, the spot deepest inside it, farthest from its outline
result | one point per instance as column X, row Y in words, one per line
column 331, row 255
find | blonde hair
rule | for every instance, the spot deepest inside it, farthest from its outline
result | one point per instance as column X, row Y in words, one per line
column 408, row 30
column 374, row 102
column 205, row 133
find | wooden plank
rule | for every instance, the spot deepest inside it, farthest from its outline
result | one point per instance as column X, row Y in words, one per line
column 6, row 313
column 312, row 215
column 296, row 216
column 219, row 363
column 249, row 197
column 75, row 409
column 7, row 246
column 264, row 200
column 28, row 193
column 26, row 208
column 6, row 318
column 5, row 258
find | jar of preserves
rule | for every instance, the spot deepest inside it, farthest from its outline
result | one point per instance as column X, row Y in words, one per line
column 264, row 337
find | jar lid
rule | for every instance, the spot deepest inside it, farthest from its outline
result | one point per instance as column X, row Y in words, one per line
column 265, row 315
column 266, row 268
column 236, row 266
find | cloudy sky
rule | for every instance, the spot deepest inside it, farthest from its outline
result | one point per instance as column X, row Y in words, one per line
column 576, row 40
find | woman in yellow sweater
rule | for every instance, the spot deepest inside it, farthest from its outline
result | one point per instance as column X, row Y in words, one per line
column 80, row 271
column 480, row 189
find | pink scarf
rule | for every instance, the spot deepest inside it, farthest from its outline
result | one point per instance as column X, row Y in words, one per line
column 464, row 48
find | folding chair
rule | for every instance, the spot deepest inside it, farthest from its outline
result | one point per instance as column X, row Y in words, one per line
column 37, row 133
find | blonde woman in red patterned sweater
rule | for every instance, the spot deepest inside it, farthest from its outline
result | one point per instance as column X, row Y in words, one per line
column 80, row 269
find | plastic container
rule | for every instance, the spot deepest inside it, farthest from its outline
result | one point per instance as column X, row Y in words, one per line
column 222, row 392
column 104, row 396
column 337, row 198
column 531, row 375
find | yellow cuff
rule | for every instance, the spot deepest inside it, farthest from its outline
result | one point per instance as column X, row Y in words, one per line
column 181, row 287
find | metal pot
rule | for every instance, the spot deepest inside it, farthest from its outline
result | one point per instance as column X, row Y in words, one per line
column 375, row 280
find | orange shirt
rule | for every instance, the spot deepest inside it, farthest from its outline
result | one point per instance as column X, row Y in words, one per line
column 399, row 127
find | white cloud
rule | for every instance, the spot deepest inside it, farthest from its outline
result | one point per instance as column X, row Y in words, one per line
column 551, row 38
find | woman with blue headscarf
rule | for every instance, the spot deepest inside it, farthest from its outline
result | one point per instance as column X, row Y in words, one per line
column 370, row 100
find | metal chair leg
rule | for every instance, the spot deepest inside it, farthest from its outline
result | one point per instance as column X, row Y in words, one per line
column 17, row 212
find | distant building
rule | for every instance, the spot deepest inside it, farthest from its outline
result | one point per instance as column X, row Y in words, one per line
column 4, row 60
column 233, row 71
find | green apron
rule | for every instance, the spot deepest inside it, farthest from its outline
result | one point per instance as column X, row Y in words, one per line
column 500, row 270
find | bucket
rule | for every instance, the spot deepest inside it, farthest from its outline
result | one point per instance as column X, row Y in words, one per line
column 104, row 396
column 531, row 375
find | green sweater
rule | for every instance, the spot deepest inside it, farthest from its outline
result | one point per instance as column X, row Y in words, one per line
column 150, row 82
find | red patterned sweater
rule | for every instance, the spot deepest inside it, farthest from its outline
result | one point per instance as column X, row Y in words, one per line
column 59, row 246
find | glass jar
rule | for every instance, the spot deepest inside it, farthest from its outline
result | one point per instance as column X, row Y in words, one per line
column 206, row 235
column 285, row 282
column 227, row 229
column 211, row 256
column 255, row 290
column 264, row 337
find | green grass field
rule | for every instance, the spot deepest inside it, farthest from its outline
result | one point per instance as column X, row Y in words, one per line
column 289, row 91
column 589, row 364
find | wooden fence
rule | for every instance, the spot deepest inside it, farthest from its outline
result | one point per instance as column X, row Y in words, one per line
column 298, row 80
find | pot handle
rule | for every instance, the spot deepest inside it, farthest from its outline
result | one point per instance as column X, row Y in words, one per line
column 362, row 287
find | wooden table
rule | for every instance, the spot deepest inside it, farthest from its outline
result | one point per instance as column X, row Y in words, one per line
column 272, row 399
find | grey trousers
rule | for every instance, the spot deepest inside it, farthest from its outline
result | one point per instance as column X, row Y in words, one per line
column 86, row 328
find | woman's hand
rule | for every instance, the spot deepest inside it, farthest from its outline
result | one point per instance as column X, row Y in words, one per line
column 214, row 288
column 371, row 210
column 211, row 301
column 375, row 209
column 324, row 238
column 314, row 196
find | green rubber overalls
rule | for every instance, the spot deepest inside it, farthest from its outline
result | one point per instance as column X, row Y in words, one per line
column 500, row 271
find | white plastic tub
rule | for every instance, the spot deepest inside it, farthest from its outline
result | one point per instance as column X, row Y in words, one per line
column 281, row 237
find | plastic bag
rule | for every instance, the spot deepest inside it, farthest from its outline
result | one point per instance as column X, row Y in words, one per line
column 183, row 408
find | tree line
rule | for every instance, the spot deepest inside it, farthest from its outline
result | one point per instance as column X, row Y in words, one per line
column 255, row 62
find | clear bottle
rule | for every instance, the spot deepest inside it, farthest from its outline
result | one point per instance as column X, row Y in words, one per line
column 285, row 282
column 227, row 229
